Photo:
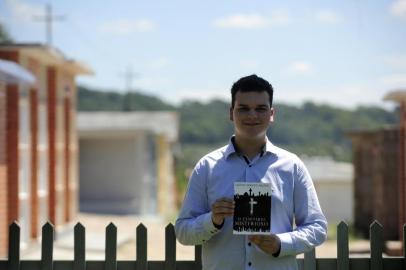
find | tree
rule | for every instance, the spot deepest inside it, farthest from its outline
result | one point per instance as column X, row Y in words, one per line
column 4, row 35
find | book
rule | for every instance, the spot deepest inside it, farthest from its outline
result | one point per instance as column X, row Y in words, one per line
column 252, row 212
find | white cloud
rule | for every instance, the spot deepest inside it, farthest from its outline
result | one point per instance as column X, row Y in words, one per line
column 398, row 8
column 125, row 27
column 159, row 63
column 343, row 95
column 278, row 17
column 300, row 67
column 394, row 80
column 242, row 21
column 24, row 11
column 327, row 17
column 396, row 61
column 201, row 94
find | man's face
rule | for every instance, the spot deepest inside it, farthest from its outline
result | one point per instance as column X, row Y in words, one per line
column 251, row 114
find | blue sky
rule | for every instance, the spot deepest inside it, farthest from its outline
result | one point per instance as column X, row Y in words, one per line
column 344, row 53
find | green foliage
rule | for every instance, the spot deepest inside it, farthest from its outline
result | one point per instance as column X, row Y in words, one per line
column 4, row 35
column 320, row 129
column 204, row 123
column 93, row 100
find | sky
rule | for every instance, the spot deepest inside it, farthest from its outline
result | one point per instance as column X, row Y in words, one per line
column 340, row 52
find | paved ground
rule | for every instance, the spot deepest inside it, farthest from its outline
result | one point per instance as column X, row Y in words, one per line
column 126, row 226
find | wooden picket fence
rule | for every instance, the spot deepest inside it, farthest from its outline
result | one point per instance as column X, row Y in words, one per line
column 342, row 262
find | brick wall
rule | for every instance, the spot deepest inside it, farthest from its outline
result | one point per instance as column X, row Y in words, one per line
column 51, row 102
column 375, row 159
column 67, row 132
column 8, row 155
column 3, row 173
column 34, row 161
column 12, row 138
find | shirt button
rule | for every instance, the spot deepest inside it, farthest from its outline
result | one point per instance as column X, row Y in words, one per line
column 249, row 243
column 249, row 263
column 249, row 165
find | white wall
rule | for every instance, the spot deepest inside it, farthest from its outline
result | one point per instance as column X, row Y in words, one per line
column 117, row 175
column 336, row 200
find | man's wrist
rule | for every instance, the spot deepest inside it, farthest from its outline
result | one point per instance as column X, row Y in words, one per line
column 276, row 254
column 217, row 226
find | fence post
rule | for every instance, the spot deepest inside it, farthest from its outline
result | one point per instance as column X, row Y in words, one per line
column 310, row 260
column 343, row 261
column 198, row 256
column 14, row 246
column 47, row 248
column 142, row 263
column 376, row 236
column 111, row 248
column 170, row 247
column 79, row 247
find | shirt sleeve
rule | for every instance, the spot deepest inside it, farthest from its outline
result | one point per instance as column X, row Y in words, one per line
column 311, row 224
column 194, row 225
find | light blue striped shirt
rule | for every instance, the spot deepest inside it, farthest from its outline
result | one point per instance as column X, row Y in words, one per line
column 294, row 202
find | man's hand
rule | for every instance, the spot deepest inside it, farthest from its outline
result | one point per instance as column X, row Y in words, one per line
column 270, row 244
column 222, row 208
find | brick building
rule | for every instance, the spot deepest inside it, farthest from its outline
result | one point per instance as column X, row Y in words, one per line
column 38, row 142
column 376, row 176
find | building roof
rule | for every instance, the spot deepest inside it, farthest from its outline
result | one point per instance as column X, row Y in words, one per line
column 325, row 169
column 48, row 55
column 91, row 124
column 13, row 73
column 396, row 95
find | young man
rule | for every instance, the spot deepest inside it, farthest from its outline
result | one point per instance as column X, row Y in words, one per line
column 207, row 211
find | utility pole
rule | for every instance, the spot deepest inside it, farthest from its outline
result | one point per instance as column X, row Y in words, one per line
column 49, row 18
column 129, row 76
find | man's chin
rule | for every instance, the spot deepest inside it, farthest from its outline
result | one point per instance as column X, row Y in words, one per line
column 253, row 135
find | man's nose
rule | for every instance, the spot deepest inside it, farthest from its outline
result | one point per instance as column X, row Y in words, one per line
column 252, row 113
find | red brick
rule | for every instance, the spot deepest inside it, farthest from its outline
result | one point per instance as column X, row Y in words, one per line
column 12, row 138
column 34, row 161
column 51, row 93
column 67, row 133
column 3, row 174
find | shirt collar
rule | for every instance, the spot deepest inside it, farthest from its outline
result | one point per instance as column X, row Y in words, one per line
column 232, row 148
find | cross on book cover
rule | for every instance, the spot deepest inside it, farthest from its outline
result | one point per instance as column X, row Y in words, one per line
column 252, row 212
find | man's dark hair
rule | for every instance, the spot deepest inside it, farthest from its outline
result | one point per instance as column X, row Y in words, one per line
column 251, row 83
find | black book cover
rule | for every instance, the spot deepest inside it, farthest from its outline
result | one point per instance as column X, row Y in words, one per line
column 252, row 212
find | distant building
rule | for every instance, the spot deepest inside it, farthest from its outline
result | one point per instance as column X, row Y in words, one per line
column 375, row 157
column 334, row 185
column 126, row 162
column 380, row 175
column 38, row 142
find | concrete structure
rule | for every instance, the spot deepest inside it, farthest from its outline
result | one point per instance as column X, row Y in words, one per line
column 38, row 146
column 399, row 96
column 129, row 158
column 375, row 157
column 334, row 185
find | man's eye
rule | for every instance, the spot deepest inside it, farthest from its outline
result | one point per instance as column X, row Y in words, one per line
column 243, row 109
column 261, row 109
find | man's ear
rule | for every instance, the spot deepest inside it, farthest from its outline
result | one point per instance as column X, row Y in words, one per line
column 231, row 114
column 272, row 115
